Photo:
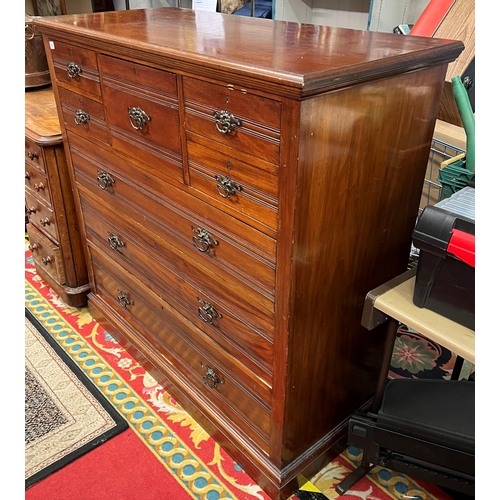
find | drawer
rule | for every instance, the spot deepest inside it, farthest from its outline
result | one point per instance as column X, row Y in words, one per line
column 37, row 182
column 137, row 75
column 83, row 115
column 240, row 102
column 41, row 216
column 244, row 122
column 33, row 154
column 211, row 371
column 229, row 312
column 75, row 66
column 143, row 115
column 235, row 186
column 223, row 244
column 46, row 255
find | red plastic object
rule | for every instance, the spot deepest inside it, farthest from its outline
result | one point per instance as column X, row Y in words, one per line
column 463, row 246
column 431, row 18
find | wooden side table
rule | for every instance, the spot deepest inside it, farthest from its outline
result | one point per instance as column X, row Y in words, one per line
column 52, row 226
column 393, row 302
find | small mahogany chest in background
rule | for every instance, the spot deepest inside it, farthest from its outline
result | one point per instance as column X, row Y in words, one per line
column 55, row 241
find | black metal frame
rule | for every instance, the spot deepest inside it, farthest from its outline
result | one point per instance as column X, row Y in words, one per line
column 441, row 465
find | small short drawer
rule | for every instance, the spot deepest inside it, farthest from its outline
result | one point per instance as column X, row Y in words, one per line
column 137, row 75
column 234, row 185
column 46, row 255
column 83, row 115
column 75, row 66
column 33, row 154
column 238, row 101
column 37, row 182
column 218, row 376
column 233, row 117
column 41, row 216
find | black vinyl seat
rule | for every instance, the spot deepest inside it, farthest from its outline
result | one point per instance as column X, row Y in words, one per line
column 424, row 428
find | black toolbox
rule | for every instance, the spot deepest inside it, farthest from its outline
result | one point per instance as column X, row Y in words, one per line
column 445, row 237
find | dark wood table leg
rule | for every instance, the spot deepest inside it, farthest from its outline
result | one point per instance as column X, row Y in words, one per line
column 392, row 330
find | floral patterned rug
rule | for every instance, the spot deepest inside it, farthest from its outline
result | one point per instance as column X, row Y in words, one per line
column 203, row 469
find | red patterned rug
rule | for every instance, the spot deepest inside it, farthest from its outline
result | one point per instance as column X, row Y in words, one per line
column 167, row 448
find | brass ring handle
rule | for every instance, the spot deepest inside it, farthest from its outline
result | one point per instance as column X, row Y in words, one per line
column 46, row 260
column 29, row 32
column 39, row 187
column 45, row 222
column 114, row 242
column 138, row 118
column 211, row 378
column 33, row 247
column 204, row 240
column 207, row 312
column 73, row 70
column 124, row 300
column 226, row 122
column 104, row 180
column 81, row 117
column 32, row 155
column 226, row 187
column 31, row 210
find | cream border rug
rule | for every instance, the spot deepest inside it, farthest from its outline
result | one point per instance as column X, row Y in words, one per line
column 64, row 417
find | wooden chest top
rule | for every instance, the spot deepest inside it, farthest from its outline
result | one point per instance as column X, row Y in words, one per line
column 294, row 60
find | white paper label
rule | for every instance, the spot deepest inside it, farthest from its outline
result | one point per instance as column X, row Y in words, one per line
column 51, row 45
column 209, row 5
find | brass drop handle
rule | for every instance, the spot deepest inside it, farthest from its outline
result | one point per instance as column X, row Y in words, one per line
column 226, row 187
column 104, row 180
column 114, row 242
column 225, row 121
column 207, row 312
column 33, row 247
column 46, row 260
column 203, row 240
column 45, row 222
column 31, row 210
column 138, row 118
column 27, row 175
column 73, row 70
column 211, row 378
column 81, row 117
column 29, row 32
column 32, row 155
column 39, row 187
column 124, row 300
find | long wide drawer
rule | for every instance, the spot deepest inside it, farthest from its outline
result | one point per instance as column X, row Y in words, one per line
column 33, row 154
column 46, row 255
column 211, row 371
column 227, row 312
column 37, row 182
column 221, row 242
column 41, row 216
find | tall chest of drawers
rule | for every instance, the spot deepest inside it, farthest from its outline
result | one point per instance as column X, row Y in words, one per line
column 52, row 223
column 242, row 184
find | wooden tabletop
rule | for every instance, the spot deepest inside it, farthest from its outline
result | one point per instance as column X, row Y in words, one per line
column 41, row 119
column 397, row 302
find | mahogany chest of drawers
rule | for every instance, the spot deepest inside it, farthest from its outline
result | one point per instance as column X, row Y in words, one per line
column 55, row 241
column 243, row 184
